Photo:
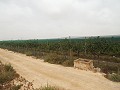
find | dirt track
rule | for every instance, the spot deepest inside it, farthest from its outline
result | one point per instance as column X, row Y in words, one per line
column 66, row 77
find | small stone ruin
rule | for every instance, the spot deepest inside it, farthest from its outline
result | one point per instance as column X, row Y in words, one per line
column 85, row 64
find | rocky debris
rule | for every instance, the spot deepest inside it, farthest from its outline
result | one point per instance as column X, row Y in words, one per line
column 25, row 84
column 96, row 70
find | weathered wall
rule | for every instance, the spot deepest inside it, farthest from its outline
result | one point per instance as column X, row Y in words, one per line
column 83, row 64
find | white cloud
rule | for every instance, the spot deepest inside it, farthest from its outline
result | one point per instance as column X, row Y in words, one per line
column 58, row 18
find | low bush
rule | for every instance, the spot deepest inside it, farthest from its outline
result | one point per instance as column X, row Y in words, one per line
column 55, row 59
column 7, row 73
column 28, row 53
column 59, row 59
column 113, row 77
column 107, row 66
column 68, row 63
column 6, row 76
column 109, row 59
column 8, row 67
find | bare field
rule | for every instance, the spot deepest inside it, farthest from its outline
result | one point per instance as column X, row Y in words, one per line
column 57, row 75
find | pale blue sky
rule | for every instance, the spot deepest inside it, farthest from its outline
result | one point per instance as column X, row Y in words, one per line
column 36, row 19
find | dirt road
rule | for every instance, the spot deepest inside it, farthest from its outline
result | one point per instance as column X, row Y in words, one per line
column 65, row 77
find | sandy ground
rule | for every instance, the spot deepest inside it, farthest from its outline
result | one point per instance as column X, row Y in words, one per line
column 65, row 77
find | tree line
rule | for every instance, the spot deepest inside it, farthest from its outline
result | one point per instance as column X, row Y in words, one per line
column 98, row 48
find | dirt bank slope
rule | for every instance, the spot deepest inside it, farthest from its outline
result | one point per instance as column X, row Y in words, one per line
column 66, row 77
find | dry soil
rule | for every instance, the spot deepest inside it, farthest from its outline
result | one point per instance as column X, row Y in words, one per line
column 66, row 77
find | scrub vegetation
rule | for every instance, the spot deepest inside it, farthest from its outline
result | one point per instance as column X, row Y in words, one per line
column 105, row 51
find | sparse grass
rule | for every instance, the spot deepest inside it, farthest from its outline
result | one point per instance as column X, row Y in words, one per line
column 48, row 87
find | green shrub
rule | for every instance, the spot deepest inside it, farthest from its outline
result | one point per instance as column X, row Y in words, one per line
column 28, row 53
column 6, row 76
column 59, row 59
column 55, row 59
column 113, row 77
column 8, row 67
column 7, row 73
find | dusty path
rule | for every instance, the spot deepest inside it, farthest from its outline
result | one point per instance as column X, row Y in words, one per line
column 66, row 77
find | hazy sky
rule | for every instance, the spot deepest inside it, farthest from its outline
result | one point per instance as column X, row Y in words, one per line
column 32, row 19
